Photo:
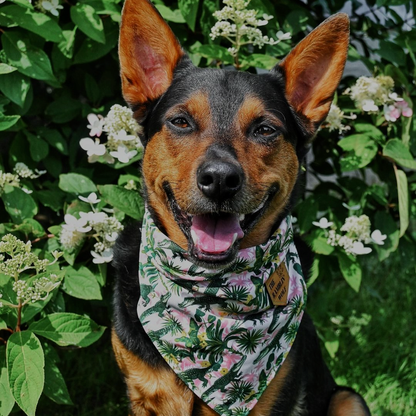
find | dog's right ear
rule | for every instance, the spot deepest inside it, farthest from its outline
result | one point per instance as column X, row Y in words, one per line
column 149, row 53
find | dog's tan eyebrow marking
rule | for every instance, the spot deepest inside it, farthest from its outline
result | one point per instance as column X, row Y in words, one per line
column 252, row 109
column 197, row 106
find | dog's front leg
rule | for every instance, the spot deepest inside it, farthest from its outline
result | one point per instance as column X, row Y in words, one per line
column 152, row 391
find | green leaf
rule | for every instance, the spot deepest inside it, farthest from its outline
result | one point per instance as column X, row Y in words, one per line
column 262, row 61
column 319, row 242
column 385, row 223
column 130, row 202
column 403, row 194
column 76, row 184
column 6, row 397
column 63, row 109
column 38, row 148
column 87, row 20
column 52, row 199
column 55, row 386
column 307, row 213
column 213, row 52
column 361, row 151
column 18, row 204
column 36, row 22
column 7, row 121
column 189, row 10
column 396, row 150
column 15, row 86
column 27, row 58
column 25, row 366
column 91, row 50
column 314, row 273
column 68, row 329
column 54, row 138
column 174, row 16
column 370, row 131
column 392, row 52
column 81, row 283
column 350, row 269
column 332, row 347
column 6, row 69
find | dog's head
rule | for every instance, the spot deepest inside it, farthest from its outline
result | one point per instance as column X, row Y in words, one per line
column 223, row 148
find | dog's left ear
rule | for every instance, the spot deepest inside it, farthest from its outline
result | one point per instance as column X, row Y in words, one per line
column 313, row 69
column 149, row 53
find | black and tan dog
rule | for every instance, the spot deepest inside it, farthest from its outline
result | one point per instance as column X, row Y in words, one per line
column 225, row 145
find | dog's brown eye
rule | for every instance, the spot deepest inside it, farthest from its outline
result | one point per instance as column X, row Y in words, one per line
column 264, row 131
column 180, row 122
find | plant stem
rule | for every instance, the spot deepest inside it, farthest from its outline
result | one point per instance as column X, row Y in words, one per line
column 19, row 316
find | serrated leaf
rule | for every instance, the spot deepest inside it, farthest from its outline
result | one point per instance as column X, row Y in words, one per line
column 68, row 329
column 213, row 52
column 6, row 69
column 6, row 397
column 7, row 121
column 76, row 184
column 34, row 21
column 15, row 86
column 319, row 242
column 350, row 269
column 81, row 283
column 361, row 151
column 88, row 21
column 130, row 202
column 396, row 150
column 189, row 10
column 403, row 194
column 27, row 58
column 25, row 367
column 262, row 61
column 55, row 386
column 18, row 204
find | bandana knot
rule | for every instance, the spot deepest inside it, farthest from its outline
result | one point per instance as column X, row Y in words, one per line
column 219, row 329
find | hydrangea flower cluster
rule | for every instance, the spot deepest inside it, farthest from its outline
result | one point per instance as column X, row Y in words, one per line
column 356, row 233
column 99, row 225
column 122, row 136
column 240, row 26
column 20, row 171
column 18, row 258
column 371, row 93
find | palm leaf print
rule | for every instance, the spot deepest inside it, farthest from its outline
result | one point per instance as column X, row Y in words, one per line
column 250, row 340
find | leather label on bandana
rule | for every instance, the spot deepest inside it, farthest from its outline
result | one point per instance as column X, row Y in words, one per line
column 277, row 285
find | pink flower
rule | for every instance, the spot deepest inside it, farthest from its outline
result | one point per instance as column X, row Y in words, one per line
column 393, row 111
column 231, row 359
column 406, row 110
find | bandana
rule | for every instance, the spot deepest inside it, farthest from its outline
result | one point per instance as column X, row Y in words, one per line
column 218, row 329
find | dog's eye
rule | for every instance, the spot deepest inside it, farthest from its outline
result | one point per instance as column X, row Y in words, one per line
column 180, row 122
column 264, row 131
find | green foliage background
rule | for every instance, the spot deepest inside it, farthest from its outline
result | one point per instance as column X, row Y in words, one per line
column 54, row 71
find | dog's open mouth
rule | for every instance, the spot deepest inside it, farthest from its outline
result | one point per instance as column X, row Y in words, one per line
column 214, row 237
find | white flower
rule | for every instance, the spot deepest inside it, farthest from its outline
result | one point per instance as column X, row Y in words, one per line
column 51, row 6
column 93, row 217
column 359, row 249
column 72, row 223
column 96, row 124
column 122, row 136
column 105, row 257
column 323, row 223
column 111, row 237
column 123, row 154
column 27, row 191
column 368, row 105
column 283, row 36
column 395, row 97
column 93, row 147
column 91, row 199
column 377, row 237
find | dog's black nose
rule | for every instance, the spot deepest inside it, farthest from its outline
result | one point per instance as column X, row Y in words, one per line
column 219, row 180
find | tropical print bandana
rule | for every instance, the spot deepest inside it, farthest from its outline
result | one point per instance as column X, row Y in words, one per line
column 218, row 329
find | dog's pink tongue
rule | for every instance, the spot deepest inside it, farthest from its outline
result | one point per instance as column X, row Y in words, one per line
column 215, row 233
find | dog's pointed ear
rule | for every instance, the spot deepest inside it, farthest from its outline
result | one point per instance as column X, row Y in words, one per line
column 148, row 51
column 313, row 69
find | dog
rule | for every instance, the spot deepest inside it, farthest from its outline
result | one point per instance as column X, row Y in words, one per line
column 221, row 168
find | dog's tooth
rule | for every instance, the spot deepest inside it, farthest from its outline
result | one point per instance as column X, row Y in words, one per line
column 194, row 236
column 241, row 217
column 234, row 238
